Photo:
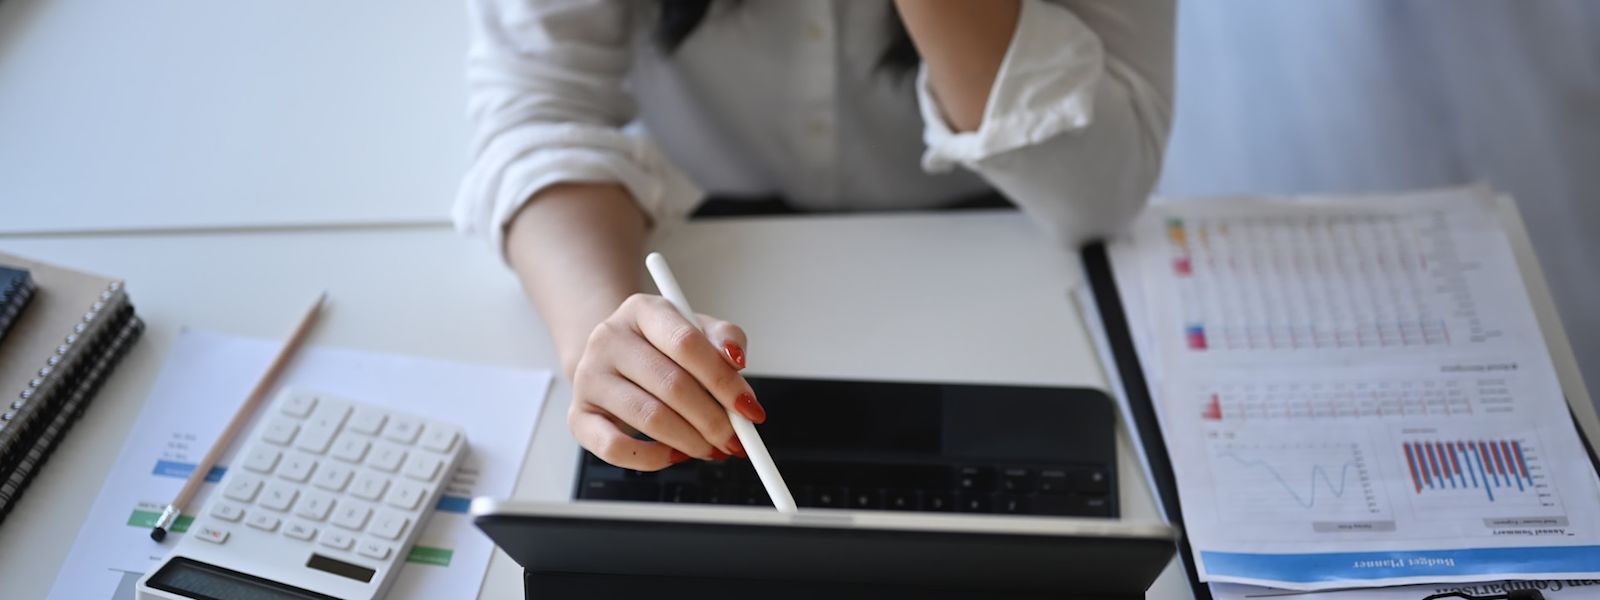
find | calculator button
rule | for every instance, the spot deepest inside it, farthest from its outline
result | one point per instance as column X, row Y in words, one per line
column 422, row 467
column 337, row 540
column 330, row 415
column 315, row 506
column 333, row 477
column 297, row 467
column 226, row 511
column 438, row 439
column 280, row 432
column 386, row 457
column 368, row 420
column 243, row 488
column 389, row 525
column 350, row 448
column 263, row 521
column 351, row 515
column 299, row 405
column 215, row 535
column 406, row 495
column 278, row 496
column 371, row 549
column 262, row 459
column 370, row 486
column 403, row 430
column 299, row 530
column 315, row 438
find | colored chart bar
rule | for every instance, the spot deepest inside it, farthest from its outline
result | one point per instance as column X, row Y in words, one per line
column 1461, row 464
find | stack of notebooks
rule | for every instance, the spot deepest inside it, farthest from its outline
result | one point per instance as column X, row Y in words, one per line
column 61, row 334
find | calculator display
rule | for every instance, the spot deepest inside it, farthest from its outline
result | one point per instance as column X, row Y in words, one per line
column 202, row 581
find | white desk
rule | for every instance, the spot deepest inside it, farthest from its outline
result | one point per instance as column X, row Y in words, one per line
column 862, row 296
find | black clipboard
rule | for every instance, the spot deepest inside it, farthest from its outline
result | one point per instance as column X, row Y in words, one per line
column 1130, row 373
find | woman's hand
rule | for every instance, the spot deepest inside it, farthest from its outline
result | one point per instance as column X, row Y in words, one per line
column 647, row 369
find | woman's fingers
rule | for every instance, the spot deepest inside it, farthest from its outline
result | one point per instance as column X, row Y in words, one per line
column 682, row 342
column 664, row 379
column 727, row 337
column 602, row 437
column 648, row 412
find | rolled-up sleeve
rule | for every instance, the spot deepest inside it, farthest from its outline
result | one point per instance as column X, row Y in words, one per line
column 1077, row 119
column 547, row 101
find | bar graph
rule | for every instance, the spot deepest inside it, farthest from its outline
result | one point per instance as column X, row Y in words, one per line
column 1476, row 474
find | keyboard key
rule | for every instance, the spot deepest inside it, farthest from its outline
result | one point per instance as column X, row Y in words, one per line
column 299, row 530
column 243, row 488
column 299, row 405
column 422, row 467
column 403, row 430
column 226, row 511
column 330, row 416
column 386, row 457
column 333, row 477
column 211, row 533
column 1053, row 481
column 1016, row 480
column 297, row 467
column 437, row 438
column 866, row 499
column 368, row 420
column 389, row 525
column 316, row 438
column 973, row 503
column 315, row 506
column 352, row 515
column 338, row 540
column 1096, row 506
column 280, row 431
column 1093, row 480
column 262, row 459
column 406, row 495
column 681, row 492
column 370, row 486
column 902, row 500
column 350, row 447
column 975, row 479
column 638, row 491
column 827, row 497
column 1076, row 505
column 278, row 496
column 263, row 521
column 373, row 550
column 937, row 501
column 1010, row 504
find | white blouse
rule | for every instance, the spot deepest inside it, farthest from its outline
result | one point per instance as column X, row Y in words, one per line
column 785, row 97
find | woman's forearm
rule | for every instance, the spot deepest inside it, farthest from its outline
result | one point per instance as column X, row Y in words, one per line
column 576, row 248
column 963, row 43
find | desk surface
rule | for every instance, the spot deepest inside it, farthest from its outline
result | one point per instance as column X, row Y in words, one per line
column 883, row 296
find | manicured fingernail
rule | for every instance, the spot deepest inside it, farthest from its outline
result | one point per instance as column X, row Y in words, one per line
column 735, row 447
column 735, row 353
column 718, row 454
column 676, row 457
column 746, row 405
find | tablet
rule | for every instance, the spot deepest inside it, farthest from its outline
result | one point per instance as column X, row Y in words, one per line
column 624, row 547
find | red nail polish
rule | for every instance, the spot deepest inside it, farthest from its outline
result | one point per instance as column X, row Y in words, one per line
column 736, row 448
column 676, row 457
column 735, row 353
column 718, row 454
column 746, row 405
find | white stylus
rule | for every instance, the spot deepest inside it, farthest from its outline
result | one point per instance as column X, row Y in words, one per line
column 748, row 437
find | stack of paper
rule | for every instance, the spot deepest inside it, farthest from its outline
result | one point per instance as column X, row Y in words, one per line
column 1355, row 393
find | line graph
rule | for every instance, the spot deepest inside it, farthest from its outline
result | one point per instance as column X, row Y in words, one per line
column 1299, row 481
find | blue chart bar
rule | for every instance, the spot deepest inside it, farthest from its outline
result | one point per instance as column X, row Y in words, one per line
column 1467, row 464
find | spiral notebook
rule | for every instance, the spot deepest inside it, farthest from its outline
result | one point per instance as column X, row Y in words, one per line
column 62, row 332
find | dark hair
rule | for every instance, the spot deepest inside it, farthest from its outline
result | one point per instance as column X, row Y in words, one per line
column 679, row 18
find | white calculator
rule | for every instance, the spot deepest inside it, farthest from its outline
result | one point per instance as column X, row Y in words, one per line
column 324, row 500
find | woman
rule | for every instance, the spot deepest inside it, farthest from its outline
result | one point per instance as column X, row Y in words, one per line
column 1062, row 107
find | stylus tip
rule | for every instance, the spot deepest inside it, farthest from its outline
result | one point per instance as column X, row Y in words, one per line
column 158, row 534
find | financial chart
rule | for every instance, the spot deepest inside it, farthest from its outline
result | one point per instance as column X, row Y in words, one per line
column 1325, row 483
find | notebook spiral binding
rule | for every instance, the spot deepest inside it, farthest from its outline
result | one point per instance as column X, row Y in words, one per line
column 36, row 418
